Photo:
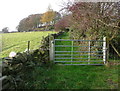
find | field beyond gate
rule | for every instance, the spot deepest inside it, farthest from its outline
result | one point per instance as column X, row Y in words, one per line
column 79, row 52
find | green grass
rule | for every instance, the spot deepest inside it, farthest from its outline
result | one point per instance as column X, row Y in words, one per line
column 74, row 77
column 18, row 41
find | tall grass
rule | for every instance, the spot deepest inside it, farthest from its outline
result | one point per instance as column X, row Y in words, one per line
column 74, row 77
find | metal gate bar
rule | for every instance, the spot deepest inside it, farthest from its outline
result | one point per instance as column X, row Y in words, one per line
column 75, row 46
column 77, row 40
column 79, row 51
column 79, row 61
column 83, row 64
column 77, row 58
column 76, row 55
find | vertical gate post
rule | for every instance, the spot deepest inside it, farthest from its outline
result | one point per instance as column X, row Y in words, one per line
column 104, row 50
column 107, row 51
column 89, row 53
column 72, row 52
column 51, row 47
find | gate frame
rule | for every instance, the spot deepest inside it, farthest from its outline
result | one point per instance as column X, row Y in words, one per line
column 104, row 50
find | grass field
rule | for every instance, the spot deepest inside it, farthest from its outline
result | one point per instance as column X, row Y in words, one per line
column 74, row 77
column 18, row 41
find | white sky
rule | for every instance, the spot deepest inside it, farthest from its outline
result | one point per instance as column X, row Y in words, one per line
column 12, row 11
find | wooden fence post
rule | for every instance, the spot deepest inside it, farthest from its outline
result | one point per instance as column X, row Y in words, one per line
column 104, row 50
column 51, row 47
column 28, row 47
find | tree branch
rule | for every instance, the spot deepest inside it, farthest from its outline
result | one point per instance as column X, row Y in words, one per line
column 109, row 25
column 115, row 49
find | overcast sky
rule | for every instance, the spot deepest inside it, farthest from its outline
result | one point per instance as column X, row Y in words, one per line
column 12, row 11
